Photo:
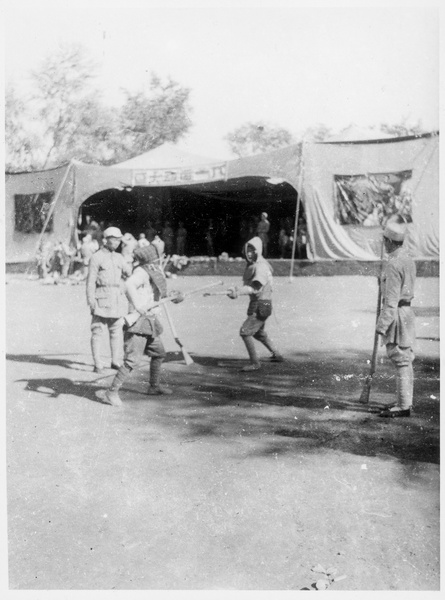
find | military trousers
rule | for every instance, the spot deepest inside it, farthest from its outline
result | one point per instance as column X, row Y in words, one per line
column 402, row 358
column 136, row 346
column 104, row 329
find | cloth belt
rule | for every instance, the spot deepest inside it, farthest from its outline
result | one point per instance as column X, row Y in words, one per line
column 404, row 303
column 109, row 285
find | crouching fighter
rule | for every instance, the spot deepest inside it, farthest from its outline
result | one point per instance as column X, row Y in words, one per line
column 257, row 284
column 144, row 287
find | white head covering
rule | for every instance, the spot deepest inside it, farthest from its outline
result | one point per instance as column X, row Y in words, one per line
column 112, row 232
column 395, row 231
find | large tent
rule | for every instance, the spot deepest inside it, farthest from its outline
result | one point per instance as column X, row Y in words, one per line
column 346, row 188
column 161, row 184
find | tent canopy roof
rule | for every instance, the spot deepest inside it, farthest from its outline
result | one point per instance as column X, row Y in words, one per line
column 165, row 157
column 354, row 133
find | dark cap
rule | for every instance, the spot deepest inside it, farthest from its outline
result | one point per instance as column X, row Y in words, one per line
column 146, row 254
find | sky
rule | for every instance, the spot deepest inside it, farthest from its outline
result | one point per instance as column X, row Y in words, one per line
column 288, row 64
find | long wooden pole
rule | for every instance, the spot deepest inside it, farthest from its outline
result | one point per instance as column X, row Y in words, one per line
column 294, row 242
column 297, row 210
column 188, row 359
column 53, row 205
column 131, row 318
column 366, row 392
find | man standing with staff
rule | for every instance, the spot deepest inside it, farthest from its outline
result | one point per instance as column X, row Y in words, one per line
column 396, row 320
column 106, row 298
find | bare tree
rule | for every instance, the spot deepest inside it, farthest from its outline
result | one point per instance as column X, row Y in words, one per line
column 70, row 120
column 63, row 83
column 402, row 129
column 317, row 133
column 254, row 138
column 20, row 144
column 147, row 120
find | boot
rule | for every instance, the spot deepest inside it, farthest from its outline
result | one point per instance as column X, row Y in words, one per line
column 159, row 390
column 100, row 371
column 120, row 377
column 405, row 380
column 251, row 367
column 277, row 357
column 396, row 411
column 112, row 397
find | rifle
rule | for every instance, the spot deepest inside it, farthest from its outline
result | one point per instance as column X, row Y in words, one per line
column 364, row 397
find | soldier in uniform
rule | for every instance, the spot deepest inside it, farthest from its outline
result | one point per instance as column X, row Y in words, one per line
column 106, row 298
column 396, row 320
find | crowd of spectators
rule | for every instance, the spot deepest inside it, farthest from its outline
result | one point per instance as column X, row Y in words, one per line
column 58, row 260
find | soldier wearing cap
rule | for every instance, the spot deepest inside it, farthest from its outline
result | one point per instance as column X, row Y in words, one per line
column 106, row 298
column 396, row 320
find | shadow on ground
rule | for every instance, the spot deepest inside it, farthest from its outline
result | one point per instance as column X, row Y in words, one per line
column 306, row 404
column 321, row 395
column 56, row 360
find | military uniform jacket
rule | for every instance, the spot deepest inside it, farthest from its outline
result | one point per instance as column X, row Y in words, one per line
column 105, row 284
column 396, row 320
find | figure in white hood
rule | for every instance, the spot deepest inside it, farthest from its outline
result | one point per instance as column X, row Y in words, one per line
column 257, row 284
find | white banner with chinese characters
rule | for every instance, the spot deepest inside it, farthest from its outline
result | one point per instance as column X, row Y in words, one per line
column 179, row 176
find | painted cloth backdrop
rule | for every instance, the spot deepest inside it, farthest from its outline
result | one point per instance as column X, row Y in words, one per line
column 351, row 189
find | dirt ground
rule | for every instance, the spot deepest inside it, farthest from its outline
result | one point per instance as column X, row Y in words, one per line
column 237, row 481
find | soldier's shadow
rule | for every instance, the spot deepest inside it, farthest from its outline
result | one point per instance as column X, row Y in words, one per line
column 57, row 386
column 57, row 360
column 53, row 387
column 61, row 386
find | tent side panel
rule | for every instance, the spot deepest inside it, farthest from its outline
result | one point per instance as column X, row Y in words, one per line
column 424, row 239
column 21, row 246
column 92, row 179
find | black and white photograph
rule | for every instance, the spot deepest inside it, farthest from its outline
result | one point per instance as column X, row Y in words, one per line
column 222, row 298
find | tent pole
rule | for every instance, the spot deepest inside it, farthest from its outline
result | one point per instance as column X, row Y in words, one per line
column 53, row 205
column 294, row 242
column 297, row 210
